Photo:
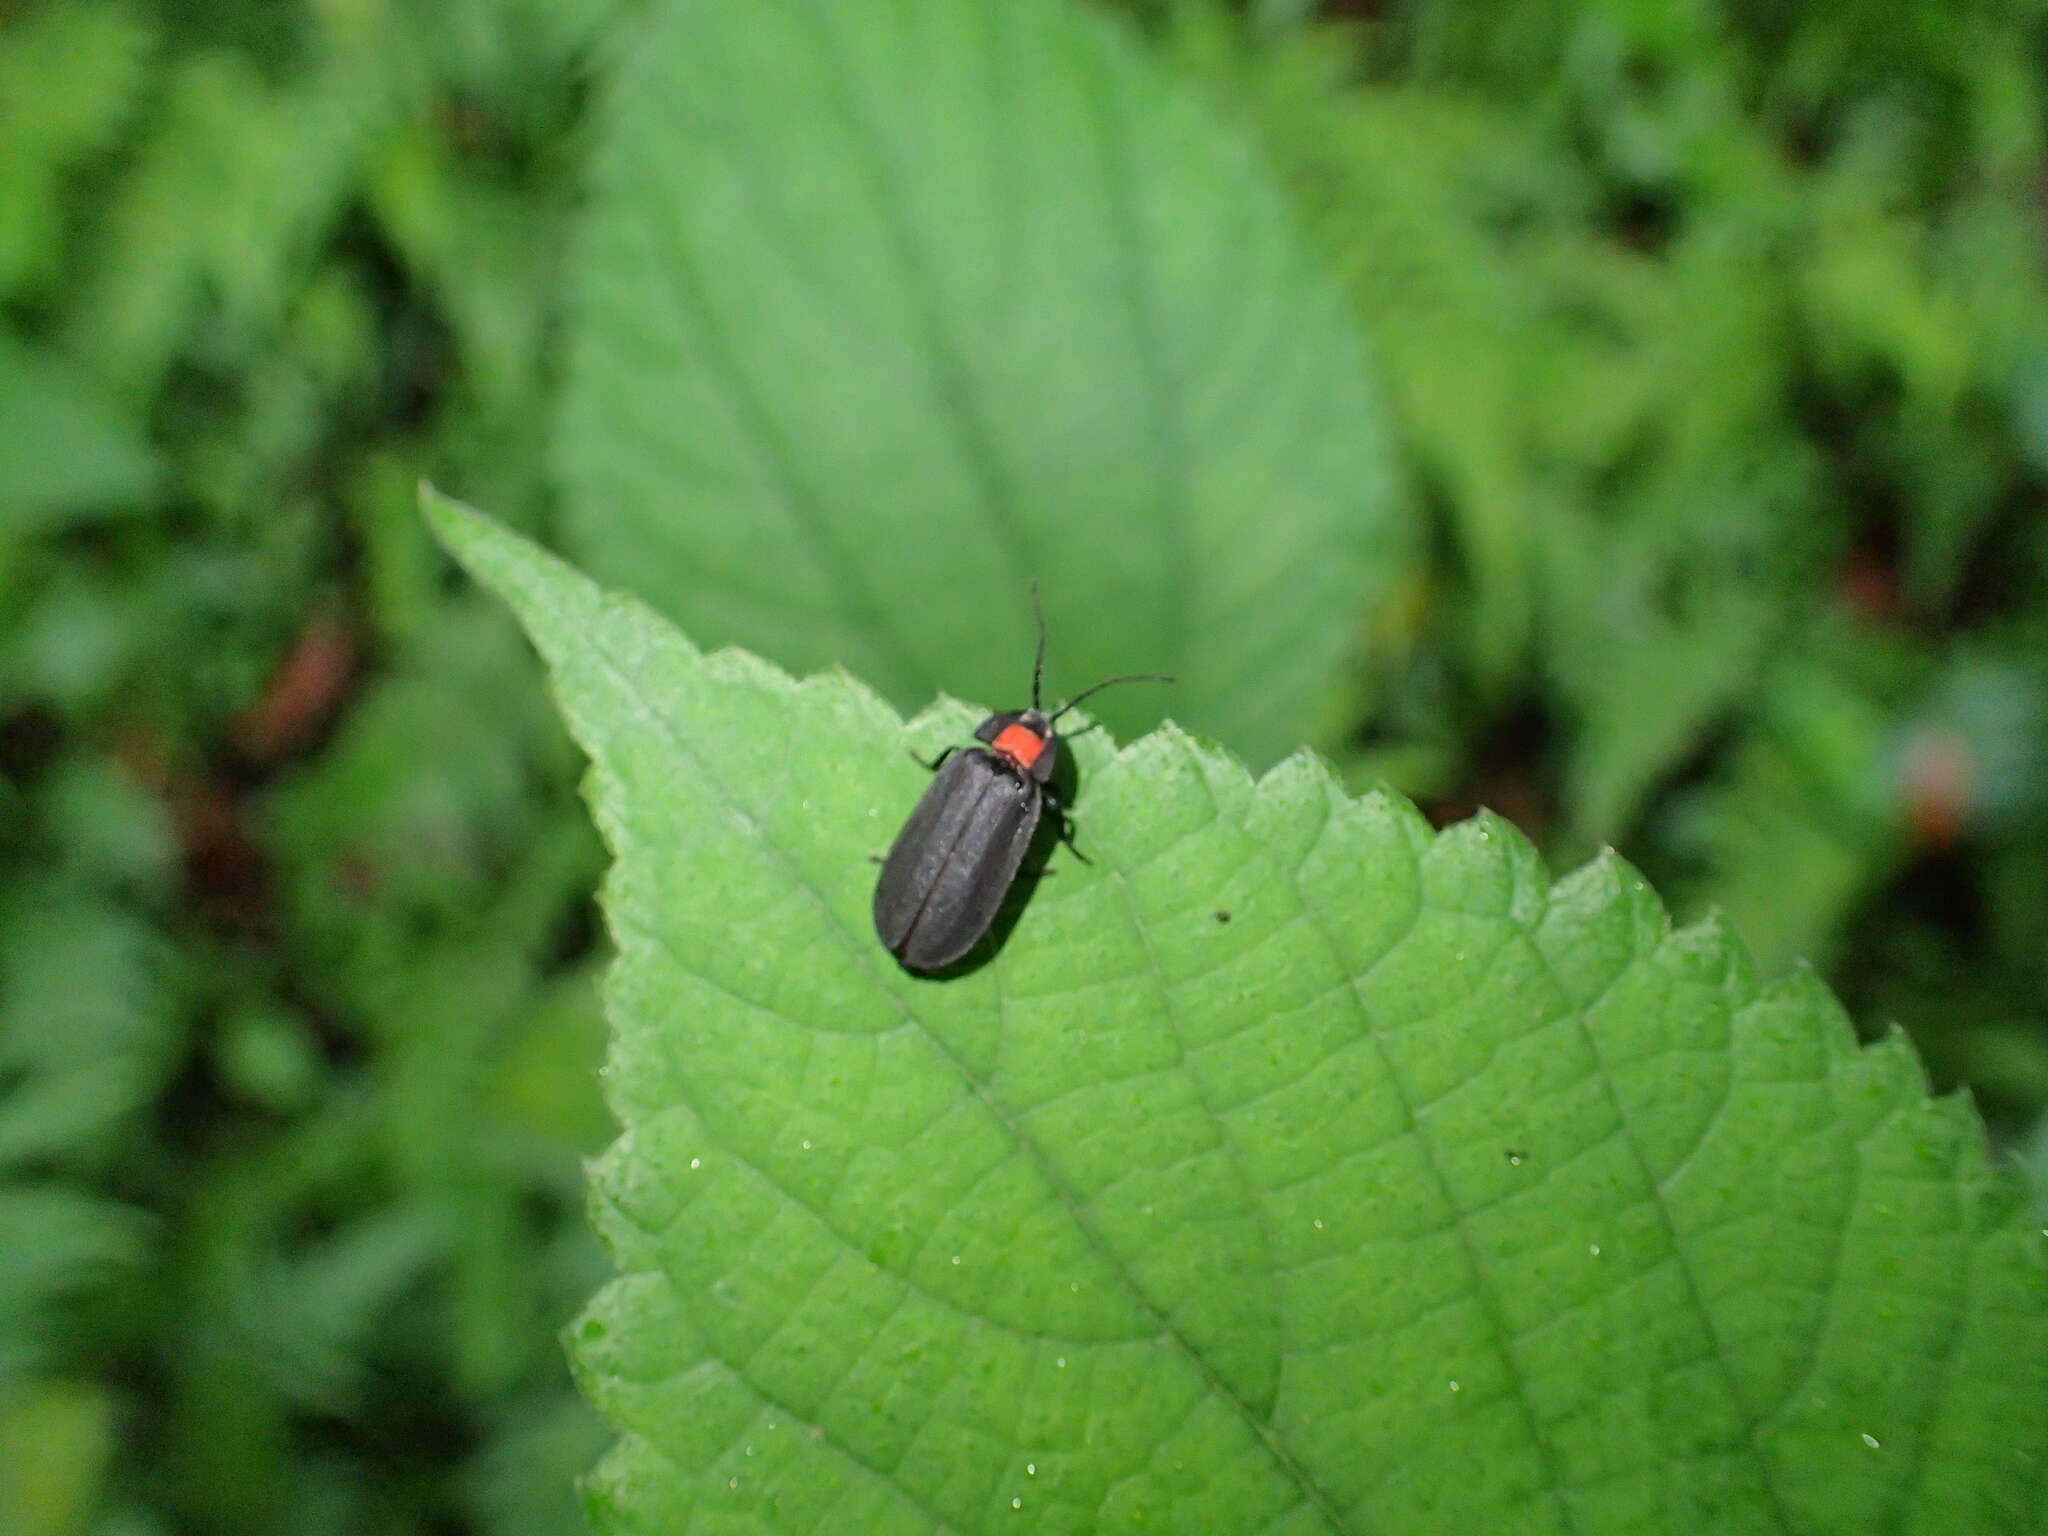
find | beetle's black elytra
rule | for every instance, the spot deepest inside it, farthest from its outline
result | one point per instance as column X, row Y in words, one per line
column 949, row 868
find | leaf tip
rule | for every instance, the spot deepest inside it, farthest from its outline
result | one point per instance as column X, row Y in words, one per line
column 449, row 518
column 1489, row 826
column 1487, row 852
column 1608, row 883
column 1168, row 738
column 471, row 537
column 1304, row 770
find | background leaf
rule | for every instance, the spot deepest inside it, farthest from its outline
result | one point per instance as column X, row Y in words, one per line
column 885, row 310
column 88, row 1028
column 66, row 451
column 1419, row 1194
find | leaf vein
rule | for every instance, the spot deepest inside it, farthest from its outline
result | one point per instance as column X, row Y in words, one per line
column 1660, row 1203
column 625, row 685
column 1489, row 1306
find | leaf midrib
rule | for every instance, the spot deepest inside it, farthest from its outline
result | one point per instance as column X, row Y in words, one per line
column 802, row 503
column 952, row 382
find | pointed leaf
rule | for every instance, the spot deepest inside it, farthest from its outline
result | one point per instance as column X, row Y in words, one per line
column 1290, row 1169
column 884, row 310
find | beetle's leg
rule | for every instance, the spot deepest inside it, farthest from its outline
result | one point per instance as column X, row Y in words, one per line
column 935, row 764
column 1066, row 825
column 1067, row 837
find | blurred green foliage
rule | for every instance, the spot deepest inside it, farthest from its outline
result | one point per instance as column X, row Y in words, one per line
column 904, row 344
column 1717, row 341
column 297, row 1031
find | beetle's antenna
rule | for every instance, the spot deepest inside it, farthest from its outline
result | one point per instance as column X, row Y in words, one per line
column 1107, row 682
column 1038, row 665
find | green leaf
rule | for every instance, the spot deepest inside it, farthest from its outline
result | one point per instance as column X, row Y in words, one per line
column 57, row 1245
column 1419, row 1195
column 274, row 162
column 884, row 310
column 1406, row 191
column 1805, row 822
column 90, row 1023
column 65, row 448
column 522, row 1483
column 69, row 76
column 56, row 1440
